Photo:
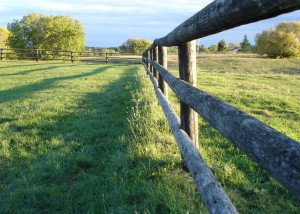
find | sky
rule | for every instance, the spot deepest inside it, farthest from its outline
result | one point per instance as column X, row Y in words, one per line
column 109, row 23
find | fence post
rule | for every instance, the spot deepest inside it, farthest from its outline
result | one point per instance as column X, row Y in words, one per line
column 72, row 60
column 151, row 57
column 1, row 53
column 106, row 58
column 147, row 56
column 37, row 55
column 144, row 56
column 155, row 58
column 187, row 72
column 163, row 61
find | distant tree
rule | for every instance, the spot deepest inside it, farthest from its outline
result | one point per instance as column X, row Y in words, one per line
column 202, row 49
column 245, row 45
column 135, row 45
column 222, row 46
column 108, row 50
column 4, row 33
column 283, row 41
column 173, row 50
column 46, row 32
column 213, row 48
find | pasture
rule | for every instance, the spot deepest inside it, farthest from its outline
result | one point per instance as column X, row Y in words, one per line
column 90, row 138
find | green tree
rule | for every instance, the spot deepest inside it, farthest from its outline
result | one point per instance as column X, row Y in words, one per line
column 283, row 41
column 135, row 45
column 173, row 50
column 213, row 48
column 222, row 46
column 202, row 49
column 46, row 32
column 63, row 33
column 3, row 37
column 245, row 45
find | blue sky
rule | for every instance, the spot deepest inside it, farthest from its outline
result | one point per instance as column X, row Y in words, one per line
column 108, row 23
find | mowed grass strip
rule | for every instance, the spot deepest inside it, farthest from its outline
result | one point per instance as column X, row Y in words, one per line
column 83, row 138
column 60, row 126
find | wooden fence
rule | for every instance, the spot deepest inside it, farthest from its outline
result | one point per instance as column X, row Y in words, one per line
column 278, row 154
column 66, row 55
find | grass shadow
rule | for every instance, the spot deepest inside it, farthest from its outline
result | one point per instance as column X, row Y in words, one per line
column 72, row 160
column 83, row 159
column 287, row 70
column 26, row 91
column 19, row 65
column 24, row 72
column 246, row 183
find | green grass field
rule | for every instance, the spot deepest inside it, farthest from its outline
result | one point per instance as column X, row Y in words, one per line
column 267, row 89
column 88, row 138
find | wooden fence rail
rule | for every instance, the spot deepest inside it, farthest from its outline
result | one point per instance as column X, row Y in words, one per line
column 67, row 55
column 222, row 15
column 273, row 151
column 216, row 197
column 278, row 154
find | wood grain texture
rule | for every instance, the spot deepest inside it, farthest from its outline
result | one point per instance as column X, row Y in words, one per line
column 278, row 154
column 151, row 58
column 163, row 61
column 155, row 58
column 147, row 56
column 210, row 189
column 187, row 72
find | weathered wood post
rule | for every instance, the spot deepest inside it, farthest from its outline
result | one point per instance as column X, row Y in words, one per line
column 1, row 54
column 37, row 55
column 147, row 56
column 151, row 57
column 163, row 61
column 146, row 60
column 106, row 58
column 72, row 60
column 187, row 72
column 155, row 58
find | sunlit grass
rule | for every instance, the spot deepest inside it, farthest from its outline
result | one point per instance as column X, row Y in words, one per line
column 60, row 125
column 270, row 91
column 88, row 138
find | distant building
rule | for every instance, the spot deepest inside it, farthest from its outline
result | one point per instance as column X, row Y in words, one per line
column 234, row 51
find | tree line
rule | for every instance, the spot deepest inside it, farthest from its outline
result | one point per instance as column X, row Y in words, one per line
column 222, row 46
column 281, row 41
column 38, row 31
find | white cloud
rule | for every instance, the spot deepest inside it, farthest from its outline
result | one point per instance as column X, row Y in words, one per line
column 56, row 6
column 178, row 6
column 110, row 22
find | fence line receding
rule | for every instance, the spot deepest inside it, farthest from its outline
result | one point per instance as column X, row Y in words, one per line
column 67, row 56
column 278, row 154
